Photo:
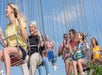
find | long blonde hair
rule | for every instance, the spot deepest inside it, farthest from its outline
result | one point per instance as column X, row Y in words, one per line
column 16, row 11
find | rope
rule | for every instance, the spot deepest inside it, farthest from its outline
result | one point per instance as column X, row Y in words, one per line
column 59, row 4
column 63, row 3
column 52, row 20
column 97, row 20
column 56, row 23
column 96, row 6
column 39, row 16
column 3, row 4
column 24, row 6
column 93, row 8
column 74, row 10
column 53, row 27
column 84, row 12
column 77, row 16
column 42, row 17
column 67, row 9
column 2, row 14
column 17, row 2
column 28, row 10
column 48, row 23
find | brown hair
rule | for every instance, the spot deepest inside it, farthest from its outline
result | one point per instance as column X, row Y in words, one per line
column 82, row 34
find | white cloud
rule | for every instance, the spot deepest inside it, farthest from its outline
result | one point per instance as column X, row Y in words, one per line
column 70, row 13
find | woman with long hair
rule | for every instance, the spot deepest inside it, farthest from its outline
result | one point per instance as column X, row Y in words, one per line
column 96, row 54
column 17, row 25
column 79, row 56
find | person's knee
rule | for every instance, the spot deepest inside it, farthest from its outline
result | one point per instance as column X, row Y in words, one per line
column 79, row 61
column 5, row 52
column 33, row 59
column 1, row 52
column 74, row 62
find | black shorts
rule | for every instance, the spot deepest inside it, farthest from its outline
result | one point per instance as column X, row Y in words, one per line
column 23, row 52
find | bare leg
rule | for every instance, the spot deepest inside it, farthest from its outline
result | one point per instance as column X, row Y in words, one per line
column 80, row 66
column 66, row 66
column 1, row 54
column 7, row 52
column 70, row 68
column 75, row 67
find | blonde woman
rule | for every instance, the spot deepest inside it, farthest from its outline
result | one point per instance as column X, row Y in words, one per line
column 34, row 53
column 17, row 24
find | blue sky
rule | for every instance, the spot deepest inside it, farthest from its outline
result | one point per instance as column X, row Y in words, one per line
column 55, row 17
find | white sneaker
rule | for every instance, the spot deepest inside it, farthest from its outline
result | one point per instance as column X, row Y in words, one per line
column 84, row 73
column 55, row 67
column 2, row 72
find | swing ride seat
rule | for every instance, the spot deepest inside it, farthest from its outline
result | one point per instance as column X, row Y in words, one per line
column 85, row 67
column 16, row 60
